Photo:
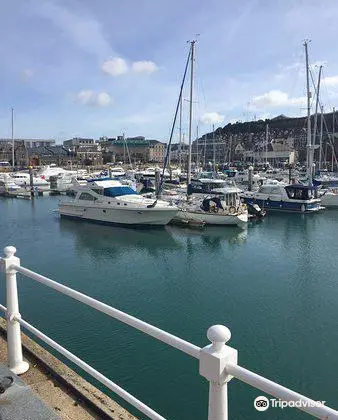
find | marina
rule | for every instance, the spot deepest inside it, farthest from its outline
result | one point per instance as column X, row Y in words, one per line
column 168, row 210
column 274, row 309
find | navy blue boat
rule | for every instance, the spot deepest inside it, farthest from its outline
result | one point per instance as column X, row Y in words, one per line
column 277, row 196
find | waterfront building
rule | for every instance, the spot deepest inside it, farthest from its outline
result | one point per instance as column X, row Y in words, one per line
column 86, row 151
column 138, row 149
column 21, row 149
column 157, row 151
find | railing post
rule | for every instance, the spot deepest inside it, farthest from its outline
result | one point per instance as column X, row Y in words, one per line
column 14, row 349
column 213, row 361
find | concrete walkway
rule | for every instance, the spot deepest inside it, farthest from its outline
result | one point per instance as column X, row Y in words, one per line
column 52, row 389
column 20, row 402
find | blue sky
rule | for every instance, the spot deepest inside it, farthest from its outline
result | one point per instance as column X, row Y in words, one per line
column 85, row 68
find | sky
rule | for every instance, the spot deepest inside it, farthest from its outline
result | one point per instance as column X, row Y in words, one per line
column 102, row 68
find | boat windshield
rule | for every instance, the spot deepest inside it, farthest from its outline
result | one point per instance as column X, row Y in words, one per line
column 118, row 191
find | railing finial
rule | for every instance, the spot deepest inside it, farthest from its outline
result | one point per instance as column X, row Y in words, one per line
column 218, row 335
column 9, row 251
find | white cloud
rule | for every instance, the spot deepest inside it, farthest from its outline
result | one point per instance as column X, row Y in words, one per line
column 212, row 118
column 331, row 81
column 103, row 99
column 115, row 66
column 90, row 97
column 276, row 98
column 144, row 67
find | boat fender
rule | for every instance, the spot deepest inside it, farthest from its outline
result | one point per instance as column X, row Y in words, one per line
column 302, row 208
column 232, row 209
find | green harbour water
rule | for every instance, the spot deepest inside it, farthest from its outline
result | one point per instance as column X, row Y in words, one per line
column 275, row 285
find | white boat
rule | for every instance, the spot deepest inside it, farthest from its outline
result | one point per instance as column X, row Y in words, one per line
column 54, row 171
column 22, row 179
column 278, row 196
column 109, row 201
column 7, row 185
column 329, row 198
column 221, row 207
column 150, row 172
column 47, row 171
column 116, row 171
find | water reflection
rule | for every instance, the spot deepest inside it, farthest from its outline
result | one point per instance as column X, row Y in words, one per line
column 101, row 240
column 212, row 236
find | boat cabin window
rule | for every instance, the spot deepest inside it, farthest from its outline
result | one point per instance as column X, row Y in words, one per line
column 118, row 191
column 231, row 199
column 98, row 190
column 301, row 193
column 265, row 189
column 87, row 196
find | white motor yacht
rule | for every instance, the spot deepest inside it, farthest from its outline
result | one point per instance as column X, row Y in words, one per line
column 109, row 201
column 47, row 171
column 22, row 179
column 7, row 185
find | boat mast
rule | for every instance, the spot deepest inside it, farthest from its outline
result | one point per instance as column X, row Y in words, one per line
column 127, row 148
column 333, row 135
column 192, row 51
column 13, row 154
column 213, row 149
column 266, row 143
column 205, row 149
column 197, row 159
column 308, row 95
column 180, row 131
column 321, row 136
column 316, row 115
column 230, row 145
column 124, row 149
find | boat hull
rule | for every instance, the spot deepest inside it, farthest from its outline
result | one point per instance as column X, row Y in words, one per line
column 330, row 200
column 214, row 218
column 285, row 206
column 107, row 215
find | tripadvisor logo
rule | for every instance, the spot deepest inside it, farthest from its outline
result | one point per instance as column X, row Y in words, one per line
column 262, row 403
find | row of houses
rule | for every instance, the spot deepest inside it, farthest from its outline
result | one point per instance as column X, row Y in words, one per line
column 91, row 152
column 82, row 151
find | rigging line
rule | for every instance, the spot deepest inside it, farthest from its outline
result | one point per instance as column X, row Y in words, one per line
column 320, row 102
column 327, row 91
column 200, row 82
column 173, row 125
column 330, row 137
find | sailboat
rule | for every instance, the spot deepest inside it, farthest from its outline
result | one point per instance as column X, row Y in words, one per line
column 279, row 196
column 220, row 207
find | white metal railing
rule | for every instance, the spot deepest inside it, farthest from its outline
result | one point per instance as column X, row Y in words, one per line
column 217, row 361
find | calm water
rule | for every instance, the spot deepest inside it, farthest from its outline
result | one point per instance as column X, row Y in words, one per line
column 275, row 286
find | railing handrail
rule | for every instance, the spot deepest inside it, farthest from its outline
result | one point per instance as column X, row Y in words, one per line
column 211, row 357
column 146, row 328
column 285, row 394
